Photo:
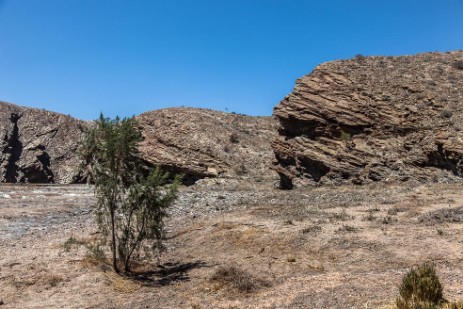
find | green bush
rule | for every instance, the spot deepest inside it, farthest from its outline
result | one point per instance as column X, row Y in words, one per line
column 132, row 196
column 420, row 289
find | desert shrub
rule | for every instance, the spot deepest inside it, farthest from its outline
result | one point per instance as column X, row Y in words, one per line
column 458, row 65
column 234, row 139
column 72, row 242
column 132, row 197
column 238, row 279
column 345, row 136
column 420, row 289
column 446, row 114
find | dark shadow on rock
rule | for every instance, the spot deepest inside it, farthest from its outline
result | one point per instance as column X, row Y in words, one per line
column 13, row 151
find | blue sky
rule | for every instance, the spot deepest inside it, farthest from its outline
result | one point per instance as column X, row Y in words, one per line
column 81, row 57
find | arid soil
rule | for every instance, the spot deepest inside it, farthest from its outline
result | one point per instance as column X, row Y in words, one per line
column 230, row 245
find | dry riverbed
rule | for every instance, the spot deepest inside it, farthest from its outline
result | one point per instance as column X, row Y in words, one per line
column 237, row 247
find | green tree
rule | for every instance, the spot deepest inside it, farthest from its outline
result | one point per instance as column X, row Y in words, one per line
column 132, row 197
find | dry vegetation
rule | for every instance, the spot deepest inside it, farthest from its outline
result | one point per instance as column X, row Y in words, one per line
column 236, row 247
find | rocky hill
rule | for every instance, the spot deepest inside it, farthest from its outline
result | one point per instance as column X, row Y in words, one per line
column 205, row 143
column 38, row 146
column 373, row 119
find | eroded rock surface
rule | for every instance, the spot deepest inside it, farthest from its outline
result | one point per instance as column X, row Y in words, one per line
column 38, row 146
column 204, row 143
column 373, row 119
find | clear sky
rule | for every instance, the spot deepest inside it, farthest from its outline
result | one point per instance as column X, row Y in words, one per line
column 81, row 57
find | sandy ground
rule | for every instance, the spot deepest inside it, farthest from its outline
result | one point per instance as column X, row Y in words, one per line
column 331, row 247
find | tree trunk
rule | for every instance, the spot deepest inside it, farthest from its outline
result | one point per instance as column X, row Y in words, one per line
column 113, row 242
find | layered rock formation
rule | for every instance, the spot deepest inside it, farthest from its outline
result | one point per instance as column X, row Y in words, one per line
column 373, row 119
column 38, row 146
column 204, row 143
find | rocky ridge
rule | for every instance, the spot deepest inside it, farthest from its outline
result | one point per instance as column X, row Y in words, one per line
column 205, row 143
column 38, row 146
column 373, row 119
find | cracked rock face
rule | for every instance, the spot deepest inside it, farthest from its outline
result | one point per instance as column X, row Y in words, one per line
column 203, row 143
column 373, row 119
column 38, row 146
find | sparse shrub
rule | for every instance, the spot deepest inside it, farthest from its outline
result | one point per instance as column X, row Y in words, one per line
column 72, row 241
column 345, row 136
column 458, row 65
column 370, row 216
column 132, row 197
column 234, row 138
column 359, row 57
column 241, row 169
column 420, row 289
column 388, row 219
column 311, row 229
column 347, row 228
column 446, row 114
column 96, row 251
column 238, row 279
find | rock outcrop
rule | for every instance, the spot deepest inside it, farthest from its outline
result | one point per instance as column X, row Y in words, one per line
column 38, row 146
column 373, row 119
column 204, row 143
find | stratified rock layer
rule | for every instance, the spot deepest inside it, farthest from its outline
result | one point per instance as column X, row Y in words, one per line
column 204, row 143
column 373, row 119
column 38, row 146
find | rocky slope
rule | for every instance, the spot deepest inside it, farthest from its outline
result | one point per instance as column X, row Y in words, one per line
column 204, row 143
column 38, row 146
column 373, row 119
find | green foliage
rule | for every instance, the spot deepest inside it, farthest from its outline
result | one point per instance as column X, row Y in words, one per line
column 70, row 242
column 132, row 197
column 420, row 289
column 345, row 136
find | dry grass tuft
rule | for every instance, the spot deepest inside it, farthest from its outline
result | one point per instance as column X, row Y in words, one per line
column 121, row 284
column 238, row 279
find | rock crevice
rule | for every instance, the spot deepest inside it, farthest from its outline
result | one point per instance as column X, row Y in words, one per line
column 12, row 149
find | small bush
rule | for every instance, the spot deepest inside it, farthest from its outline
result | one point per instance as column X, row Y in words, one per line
column 71, row 242
column 458, row 65
column 446, row 114
column 234, row 139
column 238, row 279
column 420, row 289
column 345, row 136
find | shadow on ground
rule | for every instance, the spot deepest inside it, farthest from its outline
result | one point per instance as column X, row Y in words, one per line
column 166, row 273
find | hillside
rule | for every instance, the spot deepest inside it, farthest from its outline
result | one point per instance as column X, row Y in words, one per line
column 39, row 146
column 206, row 143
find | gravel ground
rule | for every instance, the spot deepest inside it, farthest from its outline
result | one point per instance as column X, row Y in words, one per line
column 330, row 247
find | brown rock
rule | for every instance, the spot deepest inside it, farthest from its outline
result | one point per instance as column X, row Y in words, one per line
column 373, row 119
column 38, row 146
column 204, row 143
